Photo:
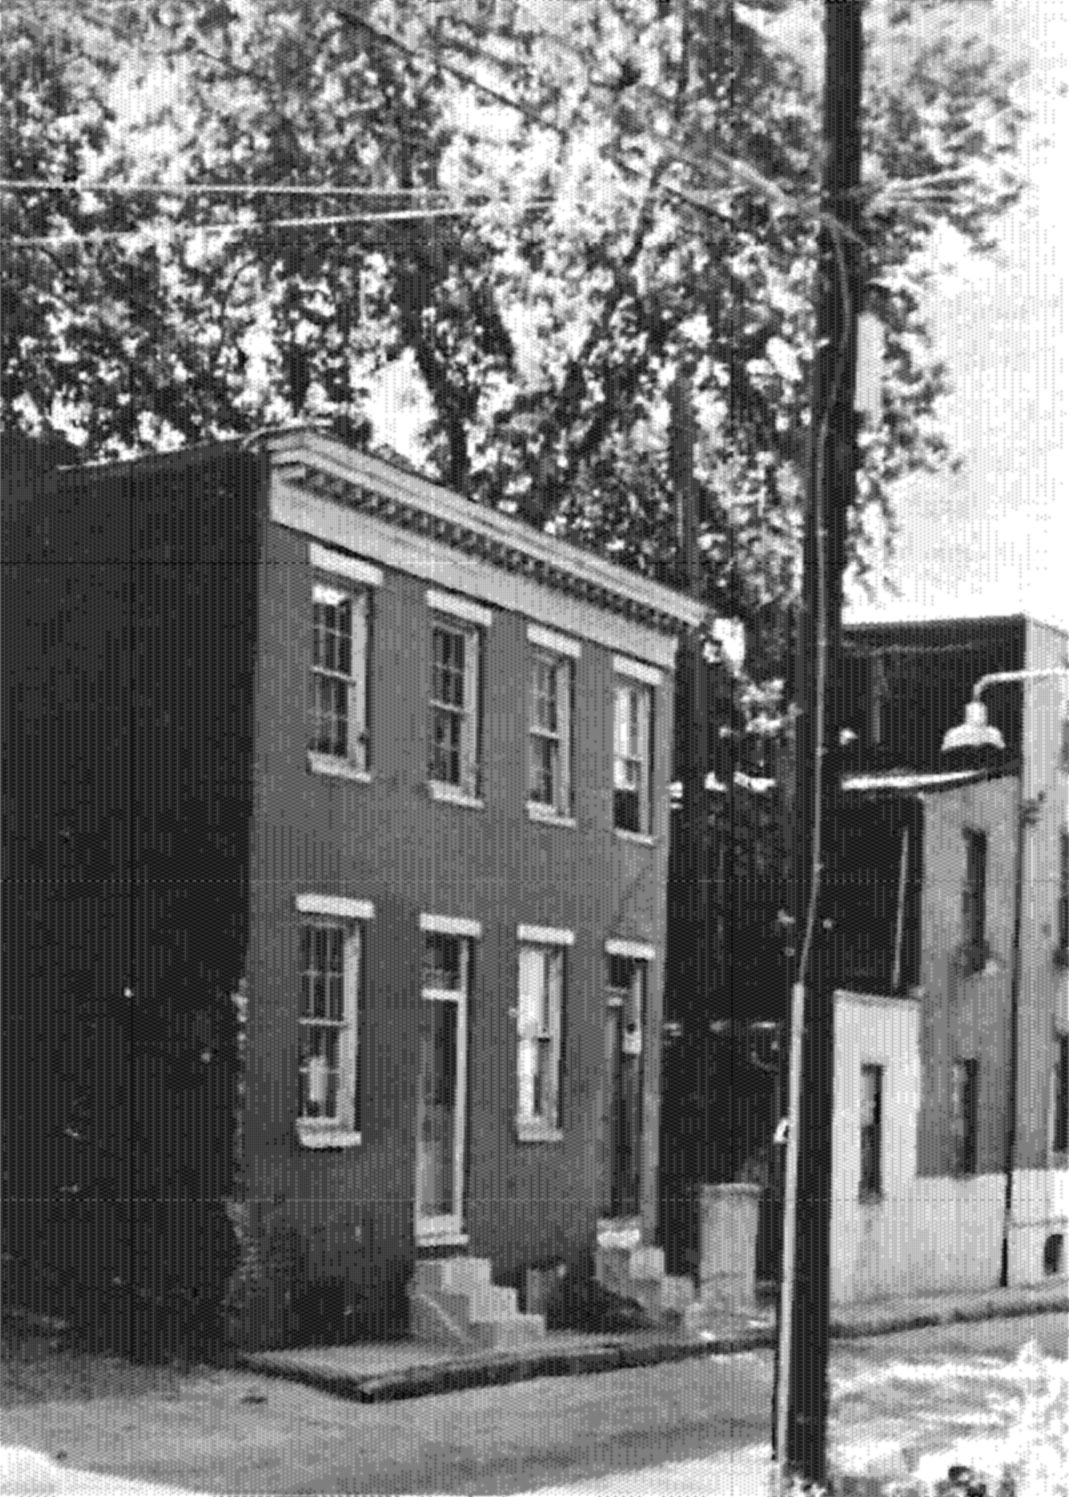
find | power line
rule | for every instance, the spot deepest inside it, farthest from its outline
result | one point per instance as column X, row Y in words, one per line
column 166, row 231
column 190, row 189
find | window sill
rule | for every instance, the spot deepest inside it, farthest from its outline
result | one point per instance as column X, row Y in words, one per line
column 641, row 839
column 441, row 1239
column 326, row 1138
column 547, row 816
column 340, row 769
column 538, row 1133
column 455, row 797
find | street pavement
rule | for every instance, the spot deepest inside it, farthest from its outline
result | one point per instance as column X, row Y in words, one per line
column 672, row 1428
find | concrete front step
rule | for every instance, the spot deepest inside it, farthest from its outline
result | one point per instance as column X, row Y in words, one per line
column 638, row 1274
column 452, row 1273
column 454, row 1303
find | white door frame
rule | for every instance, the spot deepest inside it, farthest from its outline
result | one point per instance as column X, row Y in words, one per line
column 450, row 1228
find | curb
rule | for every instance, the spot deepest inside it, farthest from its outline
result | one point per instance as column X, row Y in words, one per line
column 498, row 1369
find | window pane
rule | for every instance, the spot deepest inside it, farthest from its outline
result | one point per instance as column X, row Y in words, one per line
column 543, row 761
column 442, row 961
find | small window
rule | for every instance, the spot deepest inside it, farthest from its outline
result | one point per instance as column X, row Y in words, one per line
column 1063, row 895
column 964, row 1111
column 540, row 1022
column 328, row 1020
column 974, row 900
column 550, row 733
column 632, row 757
column 339, row 674
column 1060, row 1121
column 454, row 708
column 871, row 1183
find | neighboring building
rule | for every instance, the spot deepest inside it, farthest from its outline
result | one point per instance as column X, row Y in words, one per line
column 969, row 1073
column 930, row 1104
column 296, row 735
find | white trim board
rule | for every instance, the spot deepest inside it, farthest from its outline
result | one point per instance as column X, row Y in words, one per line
column 623, row 665
column 394, row 549
column 461, row 608
column 545, row 935
column 641, row 951
column 335, row 904
column 342, row 565
column 549, row 639
column 449, row 925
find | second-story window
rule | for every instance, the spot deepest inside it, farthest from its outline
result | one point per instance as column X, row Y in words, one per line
column 339, row 674
column 632, row 756
column 549, row 769
column 454, row 707
column 974, row 900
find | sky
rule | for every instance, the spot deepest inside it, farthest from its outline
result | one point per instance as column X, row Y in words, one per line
column 994, row 538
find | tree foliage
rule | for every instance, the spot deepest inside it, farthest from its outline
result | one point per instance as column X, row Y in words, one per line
column 620, row 189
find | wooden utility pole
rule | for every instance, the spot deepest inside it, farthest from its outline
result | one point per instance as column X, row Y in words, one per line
column 692, row 705
column 802, row 1413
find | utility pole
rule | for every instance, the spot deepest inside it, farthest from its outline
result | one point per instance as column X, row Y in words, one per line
column 692, row 703
column 802, row 1381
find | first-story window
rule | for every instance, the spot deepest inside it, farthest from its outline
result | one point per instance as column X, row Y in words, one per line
column 965, row 1114
column 540, row 1023
column 328, row 1018
column 871, row 1178
column 1060, row 1128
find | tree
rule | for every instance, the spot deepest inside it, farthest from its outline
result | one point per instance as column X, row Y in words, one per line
column 604, row 190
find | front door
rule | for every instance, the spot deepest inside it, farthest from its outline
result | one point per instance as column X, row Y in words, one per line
column 442, row 1088
column 624, row 1017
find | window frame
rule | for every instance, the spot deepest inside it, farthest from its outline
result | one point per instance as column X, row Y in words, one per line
column 1059, row 1123
column 559, row 806
column 642, row 720
column 545, row 947
column 344, row 1128
column 468, row 787
column 870, row 1170
column 975, row 948
column 965, row 1115
column 332, row 588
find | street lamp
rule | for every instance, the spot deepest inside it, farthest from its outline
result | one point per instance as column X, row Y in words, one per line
column 976, row 733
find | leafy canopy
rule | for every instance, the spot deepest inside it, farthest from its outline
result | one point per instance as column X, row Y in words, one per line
column 551, row 208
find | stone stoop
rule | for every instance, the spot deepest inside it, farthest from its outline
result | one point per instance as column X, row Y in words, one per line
column 454, row 1304
column 637, row 1272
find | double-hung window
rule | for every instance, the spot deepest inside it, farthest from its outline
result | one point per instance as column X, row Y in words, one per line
column 974, row 901
column 1060, row 1088
column 454, row 707
column 341, row 618
column 633, row 747
column 540, row 1033
column 965, row 1114
column 328, row 1009
column 871, row 1173
column 550, row 708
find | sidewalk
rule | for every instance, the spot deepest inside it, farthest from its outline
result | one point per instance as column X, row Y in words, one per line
column 377, row 1373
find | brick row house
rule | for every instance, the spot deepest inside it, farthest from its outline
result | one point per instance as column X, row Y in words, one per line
column 313, row 763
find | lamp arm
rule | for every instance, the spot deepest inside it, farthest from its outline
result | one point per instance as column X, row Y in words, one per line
column 1033, row 675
